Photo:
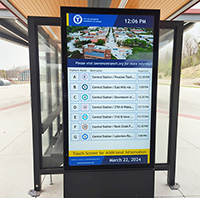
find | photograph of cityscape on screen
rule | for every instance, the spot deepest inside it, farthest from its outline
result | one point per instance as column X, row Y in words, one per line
column 109, row 43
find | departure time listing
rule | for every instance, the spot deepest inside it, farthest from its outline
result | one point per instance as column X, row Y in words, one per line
column 107, row 108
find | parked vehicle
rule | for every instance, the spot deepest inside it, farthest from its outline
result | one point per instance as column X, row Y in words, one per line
column 5, row 82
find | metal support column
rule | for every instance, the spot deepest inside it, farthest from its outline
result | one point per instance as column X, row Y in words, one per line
column 35, row 101
column 174, row 103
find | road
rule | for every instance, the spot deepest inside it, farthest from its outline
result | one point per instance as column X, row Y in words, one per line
column 113, row 46
column 14, row 94
column 16, row 145
column 189, row 102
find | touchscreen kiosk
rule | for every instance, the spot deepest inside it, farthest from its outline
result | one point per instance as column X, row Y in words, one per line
column 109, row 75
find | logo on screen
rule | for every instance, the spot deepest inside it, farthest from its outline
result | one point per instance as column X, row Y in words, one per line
column 84, row 87
column 77, row 19
column 84, row 126
column 85, row 136
column 84, row 96
column 84, row 116
column 85, row 107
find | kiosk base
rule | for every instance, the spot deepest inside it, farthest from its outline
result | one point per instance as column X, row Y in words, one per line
column 109, row 184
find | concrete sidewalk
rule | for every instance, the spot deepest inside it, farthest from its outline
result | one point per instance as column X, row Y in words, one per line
column 16, row 166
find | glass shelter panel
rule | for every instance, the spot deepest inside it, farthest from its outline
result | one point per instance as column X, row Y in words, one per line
column 54, row 76
column 50, row 97
column 163, row 93
column 43, row 76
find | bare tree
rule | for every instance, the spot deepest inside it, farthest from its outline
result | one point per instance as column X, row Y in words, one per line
column 190, row 48
column 3, row 74
column 12, row 73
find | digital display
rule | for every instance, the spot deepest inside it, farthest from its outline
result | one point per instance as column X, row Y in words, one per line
column 109, row 72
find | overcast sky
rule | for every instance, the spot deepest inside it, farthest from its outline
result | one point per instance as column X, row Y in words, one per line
column 195, row 30
column 197, row 6
column 13, row 55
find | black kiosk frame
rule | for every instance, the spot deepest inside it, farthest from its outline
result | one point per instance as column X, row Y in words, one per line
column 119, row 180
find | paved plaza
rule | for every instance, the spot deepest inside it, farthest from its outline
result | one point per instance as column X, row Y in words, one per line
column 16, row 155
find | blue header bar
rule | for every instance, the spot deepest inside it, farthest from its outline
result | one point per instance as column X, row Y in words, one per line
column 109, row 63
column 101, row 20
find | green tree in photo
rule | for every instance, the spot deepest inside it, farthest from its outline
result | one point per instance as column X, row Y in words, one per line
column 72, row 29
column 79, row 44
column 76, row 55
column 140, row 49
column 107, row 34
column 113, row 57
column 69, row 39
column 119, row 43
column 140, row 53
column 100, row 42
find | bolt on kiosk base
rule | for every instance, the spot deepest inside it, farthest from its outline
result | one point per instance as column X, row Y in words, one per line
column 34, row 193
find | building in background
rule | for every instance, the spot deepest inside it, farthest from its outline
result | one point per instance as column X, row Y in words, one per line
column 24, row 75
column 92, row 51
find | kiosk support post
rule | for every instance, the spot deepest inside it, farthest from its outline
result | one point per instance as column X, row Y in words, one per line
column 35, row 101
column 174, row 103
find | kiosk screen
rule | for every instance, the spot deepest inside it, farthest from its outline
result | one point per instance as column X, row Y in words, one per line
column 109, row 72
